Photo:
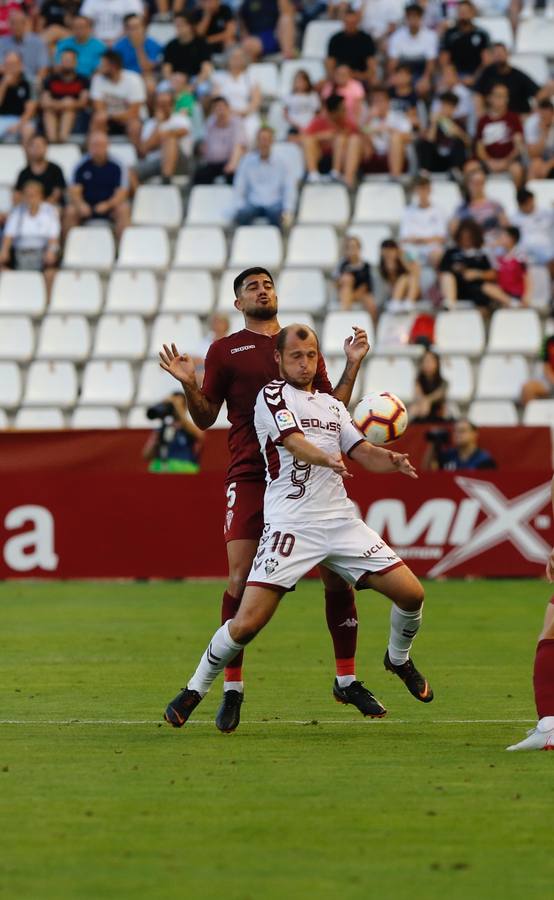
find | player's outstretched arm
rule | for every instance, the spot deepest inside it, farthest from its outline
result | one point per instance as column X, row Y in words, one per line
column 377, row 459
column 355, row 349
column 305, row 451
column 203, row 412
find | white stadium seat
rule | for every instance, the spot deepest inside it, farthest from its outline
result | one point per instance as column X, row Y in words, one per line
column 22, row 292
column 543, row 189
column 301, row 290
column 76, row 292
column 317, row 35
column 515, row 331
column 120, row 337
column 136, row 418
column 379, row 202
column 210, row 205
column 335, row 368
column 10, row 384
column 501, row 377
column 311, row 246
column 337, row 326
column 446, row 195
column 12, row 161
column 458, row 373
column 6, row 199
column 260, row 245
column 371, row 237
column 289, row 68
column 535, row 35
column 132, row 292
column 16, row 338
column 45, row 419
column 503, row 191
column 51, row 384
column 124, row 153
column 393, row 333
column 225, row 294
column 266, row 76
column 324, row 204
column 144, row 248
column 188, row 291
column 395, row 374
column 96, row 417
column 154, row 384
column 4, row 423
column 201, row 247
column 64, row 337
column 162, row 32
column 66, row 156
column 498, row 28
column 278, row 124
column 285, row 319
column 89, row 248
column 539, row 412
column 157, row 204
column 182, row 329
column 107, row 383
column 292, row 156
column 540, row 287
column 460, row 331
column 493, row 412
column 534, row 65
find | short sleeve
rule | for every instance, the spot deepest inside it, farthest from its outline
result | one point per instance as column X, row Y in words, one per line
column 273, row 415
column 12, row 222
column 350, row 437
column 137, row 89
column 321, row 380
column 216, row 377
column 96, row 87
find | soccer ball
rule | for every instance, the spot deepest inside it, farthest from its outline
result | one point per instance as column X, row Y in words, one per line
column 381, row 417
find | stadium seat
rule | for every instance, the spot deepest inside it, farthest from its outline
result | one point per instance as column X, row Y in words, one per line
column 137, row 418
column 460, row 331
column 31, row 419
column 515, row 331
column 190, row 291
column 262, row 243
column 395, row 374
column 144, row 248
column 51, row 384
column 535, row 35
column 10, row 384
column 337, row 326
column 4, row 422
column 289, row 68
column 501, row 377
column 66, row 156
column 132, row 292
column 313, row 246
column 183, row 329
column 266, row 76
column 210, row 205
column 301, row 291
column 541, row 287
column 458, row 372
column 225, row 294
column 379, row 202
column 543, row 189
column 22, row 292
column 6, row 201
column 96, row 417
column 204, row 247
column 317, row 35
column 157, row 204
column 446, row 195
column 154, row 384
column 285, row 318
column 503, row 191
column 492, row 412
column 76, row 292
column 123, row 153
column 498, row 28
column 64, row 337
column 162, row 32
column 292, row 156
column 534, row 65
column 277, row 122
column 120, row 337
column 17, row 340
column 107, row 383
column 89, row 248
column 371, row 237
column 393, row 334
column 335, row 368
column 324, row 204
column 539, row 412
column 12, row 161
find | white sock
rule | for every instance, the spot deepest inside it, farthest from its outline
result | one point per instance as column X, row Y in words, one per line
column 546, row 723
column 345, row 680
column 234, row 686
column 404, row 626
column 221, row 650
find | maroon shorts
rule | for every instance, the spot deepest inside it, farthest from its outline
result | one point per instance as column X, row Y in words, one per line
column 244, row 515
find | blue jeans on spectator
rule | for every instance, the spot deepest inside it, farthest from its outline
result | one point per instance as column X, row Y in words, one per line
column 247, row 214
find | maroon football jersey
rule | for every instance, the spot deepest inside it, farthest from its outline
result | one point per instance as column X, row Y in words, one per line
column 236, row 369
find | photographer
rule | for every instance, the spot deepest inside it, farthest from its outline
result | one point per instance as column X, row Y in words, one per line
column 175, row 445
column 464, row 454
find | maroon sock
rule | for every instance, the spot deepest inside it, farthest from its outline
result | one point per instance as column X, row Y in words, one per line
column 342, row 622
column 229, row 607
column 543, row 678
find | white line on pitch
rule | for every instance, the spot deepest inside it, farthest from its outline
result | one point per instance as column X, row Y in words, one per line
column 391, row 721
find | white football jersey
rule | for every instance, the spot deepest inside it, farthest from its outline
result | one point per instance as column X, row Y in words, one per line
column 296, row 491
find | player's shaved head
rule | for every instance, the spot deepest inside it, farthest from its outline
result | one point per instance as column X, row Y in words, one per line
column 247, row 273
column 302, row 332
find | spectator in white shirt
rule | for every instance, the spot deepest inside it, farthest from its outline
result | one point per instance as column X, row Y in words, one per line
column 538, row 131
column 536, row 228
column 117, row 97
column 108, row 15
column 32, row 234
column 387, row 133
column 264, row 187
column 381, row 17
column 223, row 145
column 416, row 46
column 302, row 104
column 423, row 230
column 165, row 139
column 242, row 94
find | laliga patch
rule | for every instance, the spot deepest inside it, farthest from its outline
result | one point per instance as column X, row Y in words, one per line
column 284, row 419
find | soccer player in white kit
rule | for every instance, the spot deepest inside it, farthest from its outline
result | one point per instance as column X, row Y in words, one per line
column 310, row 520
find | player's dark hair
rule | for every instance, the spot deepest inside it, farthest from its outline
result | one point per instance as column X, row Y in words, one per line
column 471, row 227
column 302, row 332
column 129, row 16
column 523, row 195
column 449, row 97
column 113, row 57
column 254, row 270
column 414, row 8
column 514, row 233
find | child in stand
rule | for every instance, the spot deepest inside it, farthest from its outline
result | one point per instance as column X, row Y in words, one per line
column 353, row 278
column 185, row 100
column 302, row 104
column 513, row 282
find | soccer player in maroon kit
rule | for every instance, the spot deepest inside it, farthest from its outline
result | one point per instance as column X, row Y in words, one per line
column 236, row 369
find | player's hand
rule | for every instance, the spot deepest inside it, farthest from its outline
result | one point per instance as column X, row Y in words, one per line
column 550, row 567
column 401, row 463
column 357, row 346
column 180, row 365
column 336, row 463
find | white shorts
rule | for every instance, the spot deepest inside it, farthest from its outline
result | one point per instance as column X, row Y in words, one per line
column 347, row 546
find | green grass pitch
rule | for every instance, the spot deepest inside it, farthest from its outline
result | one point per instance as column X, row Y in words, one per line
column 99, row 800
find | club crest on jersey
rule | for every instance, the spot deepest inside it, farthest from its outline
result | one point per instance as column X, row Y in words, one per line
column 284, row 419
column 270, row 565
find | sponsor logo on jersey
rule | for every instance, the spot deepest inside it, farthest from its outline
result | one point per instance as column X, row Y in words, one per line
column 284, row 419
column 244, row 347
column 317, row 423
column 270, row 565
